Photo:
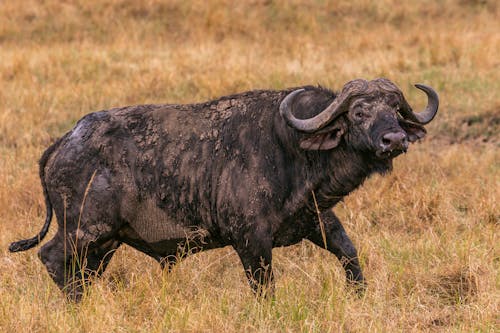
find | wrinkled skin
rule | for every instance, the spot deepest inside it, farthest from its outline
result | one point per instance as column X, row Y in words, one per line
column 171, row 180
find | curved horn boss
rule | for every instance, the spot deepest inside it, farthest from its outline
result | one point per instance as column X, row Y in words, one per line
column 421, row 118
column 335, row 109
column 356, row 88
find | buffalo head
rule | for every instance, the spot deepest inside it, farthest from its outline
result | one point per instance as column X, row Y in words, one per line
column 370, row 116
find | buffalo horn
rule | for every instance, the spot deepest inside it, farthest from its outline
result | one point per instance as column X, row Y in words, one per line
column 430, row 111
column 331, row 112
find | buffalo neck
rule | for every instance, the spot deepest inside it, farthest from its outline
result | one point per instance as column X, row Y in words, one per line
column 346, row 168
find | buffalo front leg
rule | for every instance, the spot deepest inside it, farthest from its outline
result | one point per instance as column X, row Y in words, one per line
column 336, row 241
column 255, row 251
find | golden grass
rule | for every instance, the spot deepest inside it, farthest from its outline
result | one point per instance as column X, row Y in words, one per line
column 427, row 233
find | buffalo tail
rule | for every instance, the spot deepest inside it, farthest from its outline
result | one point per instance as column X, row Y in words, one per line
column 26, row 244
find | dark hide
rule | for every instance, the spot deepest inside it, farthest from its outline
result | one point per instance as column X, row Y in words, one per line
column 170, row 180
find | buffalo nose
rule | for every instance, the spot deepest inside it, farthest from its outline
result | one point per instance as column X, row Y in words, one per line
column 394, row 141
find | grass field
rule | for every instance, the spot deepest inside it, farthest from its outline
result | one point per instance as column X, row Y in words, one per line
column 428, row 234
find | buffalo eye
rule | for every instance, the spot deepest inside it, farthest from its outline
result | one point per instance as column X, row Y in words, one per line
column 359, row 114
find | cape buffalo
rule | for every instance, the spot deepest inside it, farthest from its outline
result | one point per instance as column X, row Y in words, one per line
column 255, row 170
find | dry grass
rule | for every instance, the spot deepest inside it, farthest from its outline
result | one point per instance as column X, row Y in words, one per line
column 427, row 233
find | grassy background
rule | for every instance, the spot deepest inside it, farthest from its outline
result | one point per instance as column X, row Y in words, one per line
column 427, row 233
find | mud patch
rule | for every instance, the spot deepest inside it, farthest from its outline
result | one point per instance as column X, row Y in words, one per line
column 457, row 286
column 480, row 128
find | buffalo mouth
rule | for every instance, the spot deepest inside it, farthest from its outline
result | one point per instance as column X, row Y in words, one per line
column 389, row 154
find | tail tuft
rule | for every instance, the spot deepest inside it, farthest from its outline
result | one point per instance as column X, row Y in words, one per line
column 24, row 244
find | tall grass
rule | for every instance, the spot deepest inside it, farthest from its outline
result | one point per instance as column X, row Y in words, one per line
column 427, row 233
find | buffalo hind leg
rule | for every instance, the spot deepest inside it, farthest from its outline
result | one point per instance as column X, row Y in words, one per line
column 339, row 244
column 255, row 252
column 130, row 237
column 73, row 269
column 167, row 262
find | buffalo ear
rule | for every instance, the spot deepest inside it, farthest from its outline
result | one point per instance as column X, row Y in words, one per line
column 327, row 139
column 415, row 131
